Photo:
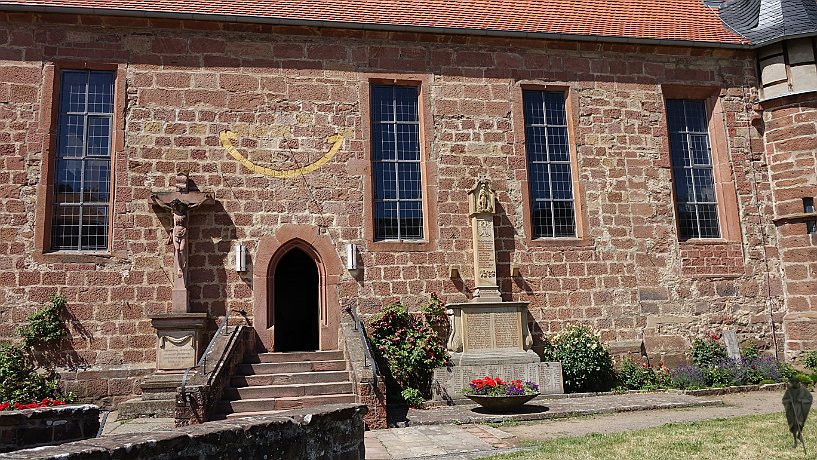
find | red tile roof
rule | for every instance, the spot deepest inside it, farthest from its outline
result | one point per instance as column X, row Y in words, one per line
column 672, row 20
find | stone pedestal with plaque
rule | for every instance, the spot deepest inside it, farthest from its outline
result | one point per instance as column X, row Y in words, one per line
column 179, row 334
column 489, row 336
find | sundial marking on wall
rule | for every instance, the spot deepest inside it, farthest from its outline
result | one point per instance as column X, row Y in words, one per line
column 227, row 137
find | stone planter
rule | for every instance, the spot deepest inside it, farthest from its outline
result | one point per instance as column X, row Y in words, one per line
column 46, row 426
column 501, row 403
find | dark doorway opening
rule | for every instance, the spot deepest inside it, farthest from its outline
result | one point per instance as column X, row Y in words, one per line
column 296, row 302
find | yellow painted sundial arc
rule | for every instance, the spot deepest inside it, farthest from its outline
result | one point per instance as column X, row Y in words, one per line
column 227, row 137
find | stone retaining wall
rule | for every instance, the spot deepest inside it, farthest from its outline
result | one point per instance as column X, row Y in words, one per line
column 327, row 432
column 47, row 426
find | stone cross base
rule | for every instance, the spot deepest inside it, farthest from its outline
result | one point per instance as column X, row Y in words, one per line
column 178, row 340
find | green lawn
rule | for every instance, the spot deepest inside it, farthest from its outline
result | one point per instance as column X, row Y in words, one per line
column 758, row 437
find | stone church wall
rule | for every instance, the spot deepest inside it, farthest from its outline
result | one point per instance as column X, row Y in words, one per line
column 790, row 125
column 283, row 90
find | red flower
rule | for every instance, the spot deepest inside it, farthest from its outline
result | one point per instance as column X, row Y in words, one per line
column 644, row 365
column 660, row 363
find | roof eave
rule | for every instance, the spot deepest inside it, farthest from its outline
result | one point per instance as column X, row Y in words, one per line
column 371, row 26
column 781, row 38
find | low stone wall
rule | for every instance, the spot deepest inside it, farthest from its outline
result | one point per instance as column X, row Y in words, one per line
column 105, row 386
column 326, row 432
column 21, row 429
column 370, row 387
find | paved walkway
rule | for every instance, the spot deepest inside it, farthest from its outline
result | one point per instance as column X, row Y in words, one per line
column 461, row 432
column 473, row 440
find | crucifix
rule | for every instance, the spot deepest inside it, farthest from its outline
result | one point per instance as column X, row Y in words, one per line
column 180, row 202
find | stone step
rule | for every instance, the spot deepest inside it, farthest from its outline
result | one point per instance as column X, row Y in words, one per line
column 292, row 378
column 275, row 404
column 293, row 357
column 291, row 367
column 287, row 391
column 246, row 414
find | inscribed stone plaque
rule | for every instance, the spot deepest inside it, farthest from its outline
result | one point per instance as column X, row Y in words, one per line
column 478, row 331
column 484, row 251
column 506, row 330
column 730, row 338
column 176, row 351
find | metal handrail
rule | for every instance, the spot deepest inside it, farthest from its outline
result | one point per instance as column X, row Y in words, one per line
column 368, row 352
column 202, row 363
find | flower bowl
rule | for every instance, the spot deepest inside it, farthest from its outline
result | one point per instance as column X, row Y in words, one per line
column 501, row 403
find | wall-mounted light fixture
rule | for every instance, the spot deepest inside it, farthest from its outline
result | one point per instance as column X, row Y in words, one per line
column 351, row 256
column 240, row 258
column 454, row 272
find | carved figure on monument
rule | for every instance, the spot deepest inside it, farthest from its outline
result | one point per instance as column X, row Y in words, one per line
column 485, row 198
column 178, row 237
column 180, row 202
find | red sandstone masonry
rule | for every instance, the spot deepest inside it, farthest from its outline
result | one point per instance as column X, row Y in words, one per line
column 790, row 124
column 283, row 90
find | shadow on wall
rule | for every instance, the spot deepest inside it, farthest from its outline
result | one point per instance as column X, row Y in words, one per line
column 63, row 353
column 212, row 235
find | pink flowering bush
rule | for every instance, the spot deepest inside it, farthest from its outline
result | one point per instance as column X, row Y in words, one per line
column 410, row 349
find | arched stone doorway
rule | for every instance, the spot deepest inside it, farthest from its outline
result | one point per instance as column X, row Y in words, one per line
column 295, row 288
column 295, row 302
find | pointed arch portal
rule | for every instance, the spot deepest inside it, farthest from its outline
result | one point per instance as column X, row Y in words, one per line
column 295, row 288
column 295, row 302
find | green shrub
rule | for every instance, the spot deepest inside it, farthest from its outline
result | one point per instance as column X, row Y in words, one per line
column 434, row 311
column 809, row 359
column 804, row 379
column 787, row 371
column 722, row 376
column 413, row 397
column 586, row 364
column 641, row 376
column 409, row 348
column 19, row 379
column 45, row 326
column 707, row 352
column 750, row 351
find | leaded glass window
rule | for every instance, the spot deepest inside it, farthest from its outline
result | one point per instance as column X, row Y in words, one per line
column 549, row 169
column 692, row 169
column 398, row 194
column 82, row 187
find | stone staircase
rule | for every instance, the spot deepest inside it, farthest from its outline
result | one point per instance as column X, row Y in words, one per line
column 272, row 382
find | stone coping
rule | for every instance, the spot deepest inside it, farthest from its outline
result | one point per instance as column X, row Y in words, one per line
column 546, row 407
column 335, row 428
column 556, row 406
column 47, row 426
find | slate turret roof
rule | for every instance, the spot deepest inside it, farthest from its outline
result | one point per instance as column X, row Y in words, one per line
column 767, row 21
column 689, row 22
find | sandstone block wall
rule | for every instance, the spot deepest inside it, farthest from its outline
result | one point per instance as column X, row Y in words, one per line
column 283, row 90
column 790, row 126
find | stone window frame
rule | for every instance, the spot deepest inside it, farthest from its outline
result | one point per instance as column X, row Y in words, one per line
column 582, row 237
column 48, row 125
column 428, row 168
column 725, row 189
